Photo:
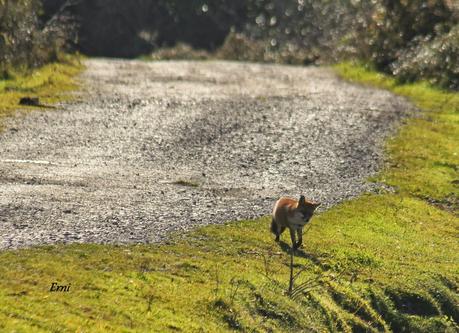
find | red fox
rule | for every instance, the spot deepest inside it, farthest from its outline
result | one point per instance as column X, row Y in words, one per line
column 292, row 214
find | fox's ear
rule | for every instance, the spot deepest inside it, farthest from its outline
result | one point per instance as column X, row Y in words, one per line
column 302, row 200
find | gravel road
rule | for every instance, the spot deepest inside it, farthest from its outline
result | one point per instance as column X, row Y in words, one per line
column 148, row 148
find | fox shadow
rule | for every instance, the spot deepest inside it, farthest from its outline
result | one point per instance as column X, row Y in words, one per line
column 298, row 252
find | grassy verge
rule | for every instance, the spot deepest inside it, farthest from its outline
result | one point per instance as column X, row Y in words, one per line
column 377, row 263
column 50, row 84
column 424, row 156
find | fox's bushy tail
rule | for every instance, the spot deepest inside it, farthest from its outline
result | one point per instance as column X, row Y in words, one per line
column 273, row 226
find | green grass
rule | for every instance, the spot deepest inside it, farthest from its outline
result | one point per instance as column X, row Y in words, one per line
column 424, row 156
column 377, row 263
column 51, row 83
column 189, row 183
column 361, row 258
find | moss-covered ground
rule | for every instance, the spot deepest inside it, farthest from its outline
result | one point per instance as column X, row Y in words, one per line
column 381, row 262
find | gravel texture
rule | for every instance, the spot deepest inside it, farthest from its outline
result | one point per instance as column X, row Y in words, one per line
column 148, row 148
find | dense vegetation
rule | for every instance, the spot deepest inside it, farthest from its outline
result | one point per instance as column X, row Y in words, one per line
column 26, row 41
column 411, row 39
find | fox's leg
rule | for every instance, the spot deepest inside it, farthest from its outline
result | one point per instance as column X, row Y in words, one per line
column 299, row 232
column 279, row 231
column 293, row 238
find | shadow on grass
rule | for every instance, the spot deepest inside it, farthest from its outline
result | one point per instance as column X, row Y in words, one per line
column 299, row 253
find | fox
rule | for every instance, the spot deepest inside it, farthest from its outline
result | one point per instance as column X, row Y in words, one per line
column 294, row 215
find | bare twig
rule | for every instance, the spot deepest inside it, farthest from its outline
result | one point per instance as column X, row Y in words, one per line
column 217, row 282
column 234, row 288
column 291, row 280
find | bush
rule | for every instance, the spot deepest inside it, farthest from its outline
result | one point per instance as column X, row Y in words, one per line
column 181, row 51
column 436, row 61
column 385, row 28
column 385, row 33
column 408, row 38
column 24, row 40
column 300, row 30
column 237, row 46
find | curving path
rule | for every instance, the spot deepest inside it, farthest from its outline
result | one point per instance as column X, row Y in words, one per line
column 150, row 148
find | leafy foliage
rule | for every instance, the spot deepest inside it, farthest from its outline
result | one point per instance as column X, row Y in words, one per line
column 24, row 40
column 436, row 61
column 413, row 39
column 387, row 27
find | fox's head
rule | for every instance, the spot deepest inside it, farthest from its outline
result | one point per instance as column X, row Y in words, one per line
column 306, row 208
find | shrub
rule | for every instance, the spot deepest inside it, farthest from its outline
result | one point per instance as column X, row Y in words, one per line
column 24, row 40
column 436, row 61
column 237, row 46
column 181, row 51
column 386, row 28
column 385, row 33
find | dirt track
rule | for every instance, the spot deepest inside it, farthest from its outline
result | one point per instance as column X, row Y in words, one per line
column 105, row 167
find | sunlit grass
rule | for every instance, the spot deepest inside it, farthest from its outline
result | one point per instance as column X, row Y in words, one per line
column 218, row 278
column 424, row 156
column 377, row 263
